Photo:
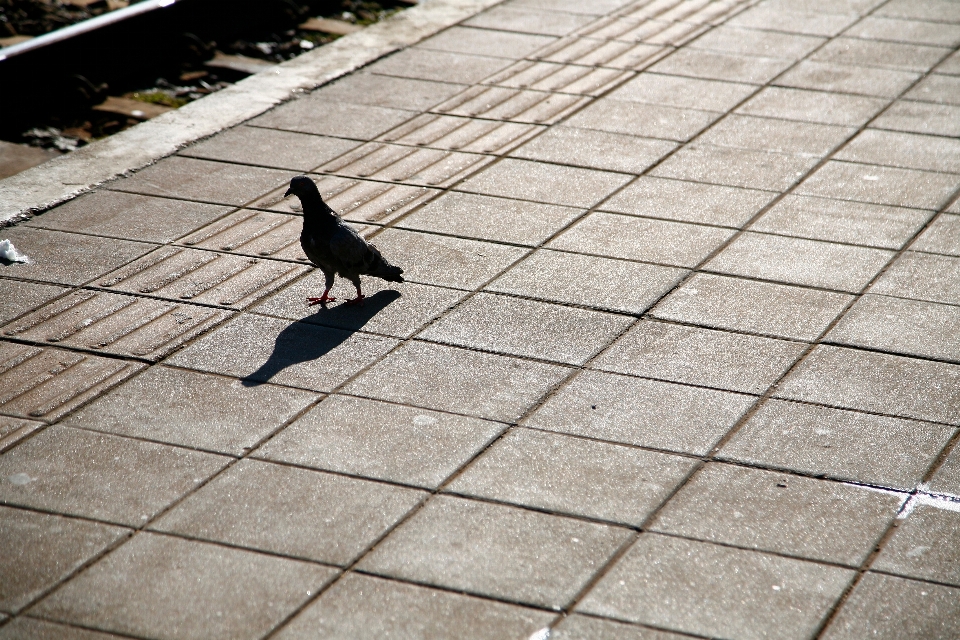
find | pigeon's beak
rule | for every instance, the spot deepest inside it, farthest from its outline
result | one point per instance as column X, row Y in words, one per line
column 288, row 193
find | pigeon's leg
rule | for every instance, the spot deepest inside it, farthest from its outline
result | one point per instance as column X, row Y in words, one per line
column 326, row 297
column 360, row 296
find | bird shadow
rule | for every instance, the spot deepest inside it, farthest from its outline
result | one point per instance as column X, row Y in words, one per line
column 317, row 335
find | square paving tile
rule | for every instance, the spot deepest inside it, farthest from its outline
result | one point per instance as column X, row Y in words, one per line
column 877, row 382
column 391, row 308
column 947, row 477
column 203, row 277
column 800, row 261
column 289, row 511
column 439, row 66
column 529, row 328
column 937, row 88
column 40, row 550
column 839, row 7
column 651, row 240
column 561, row 78
column 924, row 546
column 381, row 440
column 901, row 326
column 735, row 167
column 192, row 410
column 604, row 283
column 580, row 627
column 490, row 218
column 779, row 136
column 100, row 476
column 115, row 324
column 361, row 606
column 593, row 52
column 889, row 608
column 752, row 42
column 332, row 118
column 161, row 586
column 755, row 307
column 813, row 106
column 542, row 182
column 446, row 261
column 895, row 149
column 705, row 357
column 842, row 78
column 128, row 215
column 881, row 185
column 388, row 92
column 501, row 103
column 270, row 148
column 439, row 377
column 32, row 629
column 874, row 53
column 688, row 201
column 404, row 164
column 769, row 16
column 647, row 120
column 463, row 133
column 496, row 550
column 67, row 258
column 571, row 475
column 203, row 180
column 300, row 354
column 842, row 221
column 845, row 445
column 921, row 117
column 46, row 383
column 683, row 93
column 486, row 42
column 595, row 8
column 951, row 65
column 646, row 413
column 595, row 149
column 714, row 65
column 357, row 201
column 942, row 236
column 716, row 591
column 922, row 276
column 13, row 430
column 21, row 297
column 932, row 10
column 529, row 20
column 260, row 234
column 788, row 514
column 898, row 30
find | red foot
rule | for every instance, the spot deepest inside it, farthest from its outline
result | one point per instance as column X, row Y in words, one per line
column 356, row 301
column 321, row 300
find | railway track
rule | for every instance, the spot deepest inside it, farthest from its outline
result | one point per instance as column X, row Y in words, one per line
column 96, row 77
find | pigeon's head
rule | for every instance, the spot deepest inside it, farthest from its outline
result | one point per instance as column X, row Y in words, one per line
column 302, row 186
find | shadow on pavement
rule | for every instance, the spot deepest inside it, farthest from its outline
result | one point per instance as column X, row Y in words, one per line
column 304, row 340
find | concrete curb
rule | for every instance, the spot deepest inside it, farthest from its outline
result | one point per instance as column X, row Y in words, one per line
column 63, row 178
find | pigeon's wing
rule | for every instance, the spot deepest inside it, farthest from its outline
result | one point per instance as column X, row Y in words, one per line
column 350, row 250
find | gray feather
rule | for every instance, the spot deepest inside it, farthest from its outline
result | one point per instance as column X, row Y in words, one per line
column 334, row 247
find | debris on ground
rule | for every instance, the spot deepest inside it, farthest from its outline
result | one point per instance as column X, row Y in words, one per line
column 9, row 253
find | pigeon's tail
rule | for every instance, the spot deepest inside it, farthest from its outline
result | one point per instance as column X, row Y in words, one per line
column 383, row 269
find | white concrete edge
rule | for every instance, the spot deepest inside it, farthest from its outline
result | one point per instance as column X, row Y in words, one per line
column 63, row 178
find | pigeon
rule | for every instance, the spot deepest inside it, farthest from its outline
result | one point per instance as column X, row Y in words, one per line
column 334, row 247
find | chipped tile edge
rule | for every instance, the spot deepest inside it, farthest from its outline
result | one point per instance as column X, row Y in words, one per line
column 63, row 178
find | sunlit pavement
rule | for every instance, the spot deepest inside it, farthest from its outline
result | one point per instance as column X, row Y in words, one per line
column 678, row 354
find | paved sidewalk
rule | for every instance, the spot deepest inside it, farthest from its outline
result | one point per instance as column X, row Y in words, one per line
column 678, row 354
